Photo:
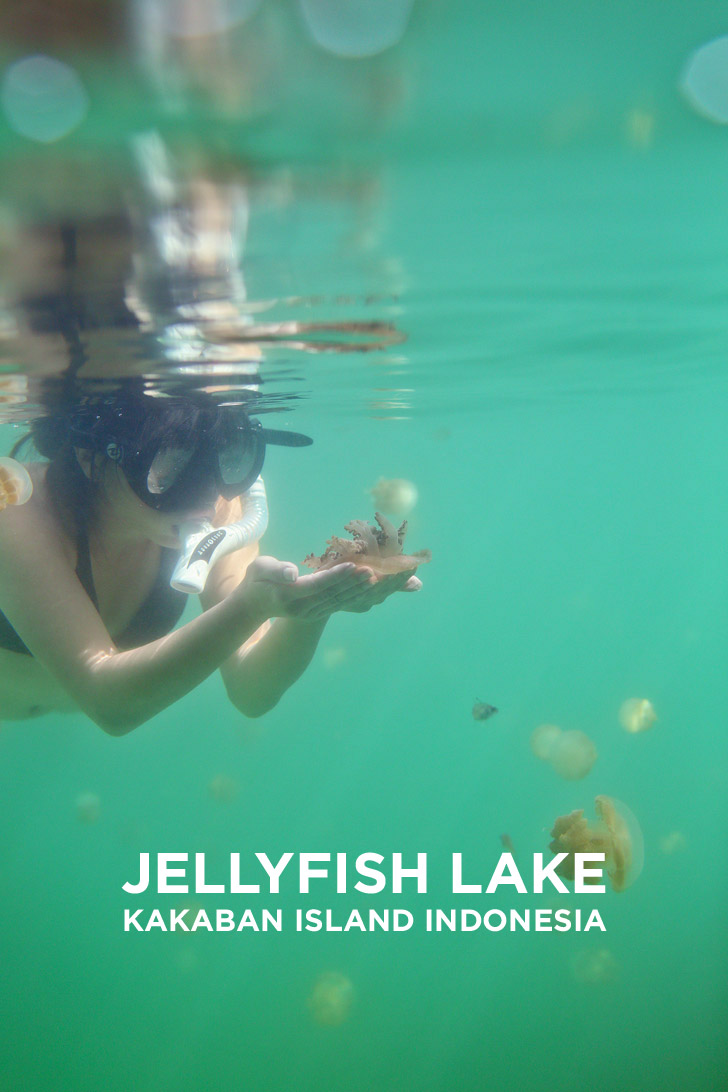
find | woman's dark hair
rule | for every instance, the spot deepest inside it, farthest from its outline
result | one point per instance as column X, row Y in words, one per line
column 90, row 421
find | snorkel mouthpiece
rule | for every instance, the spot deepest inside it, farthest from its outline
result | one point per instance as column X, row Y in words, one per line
column 203, row 544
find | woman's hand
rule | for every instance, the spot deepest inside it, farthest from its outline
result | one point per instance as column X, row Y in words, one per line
column 276, row 590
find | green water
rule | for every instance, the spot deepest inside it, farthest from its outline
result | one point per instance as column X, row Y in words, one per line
column 560, row 403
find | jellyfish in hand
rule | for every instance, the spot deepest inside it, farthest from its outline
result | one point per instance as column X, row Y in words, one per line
column 616, row 833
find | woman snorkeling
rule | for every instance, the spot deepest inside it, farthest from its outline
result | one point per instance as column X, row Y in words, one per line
column 88, row 613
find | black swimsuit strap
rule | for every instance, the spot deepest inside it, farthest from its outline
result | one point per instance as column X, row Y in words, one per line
column 157, row 615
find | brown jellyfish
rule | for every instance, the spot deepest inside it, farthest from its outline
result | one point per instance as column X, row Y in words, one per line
column 616, row 834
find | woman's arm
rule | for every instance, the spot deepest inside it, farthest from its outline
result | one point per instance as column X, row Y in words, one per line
column 45, row 602
column 259, row 672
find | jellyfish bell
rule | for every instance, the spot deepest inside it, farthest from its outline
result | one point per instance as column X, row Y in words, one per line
column 626, row 859
column 223, row 788
column 637, row 715
column 333, row 657
column 331, row 999
column 16, row 486
column 572, row 755
column 674, row 842
column 88, row 807
column 543, row 740
column 595, row 966
column 616, row 833
column 394, row 496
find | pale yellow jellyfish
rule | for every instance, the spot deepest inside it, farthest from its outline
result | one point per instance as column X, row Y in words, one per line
column 223, row 788
column 595, row 966
column 395, row 496
column 543, row 740
column 88, row 807
column 334, row 656
column 186, row 960
column 674, row 842
column 331, row 999
column 16, row 486
column 572, row 755
column 616, row 833
column 637, row 715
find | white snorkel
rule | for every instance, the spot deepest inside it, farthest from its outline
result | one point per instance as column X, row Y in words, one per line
column 204, row 544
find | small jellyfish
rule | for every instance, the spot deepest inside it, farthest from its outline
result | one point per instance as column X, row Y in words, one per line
column 223, row 788
column 572, row 755
column 331, row 999
column 543, row 740
column 395, row 496
column 16, row 486
column 637, row 715
column 481, row 711
column 595, row 967
column 616, row 833
column 674, row 842
column 334, row 657
column 186, row 960
column 88, row 808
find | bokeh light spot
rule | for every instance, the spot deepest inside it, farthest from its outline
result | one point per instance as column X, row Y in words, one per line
column 356, row 28
column 704, row 81
column 43, row 99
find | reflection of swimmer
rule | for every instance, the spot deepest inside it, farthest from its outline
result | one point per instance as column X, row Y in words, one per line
column 331, row 999
column 616, row 834
column 85, row 566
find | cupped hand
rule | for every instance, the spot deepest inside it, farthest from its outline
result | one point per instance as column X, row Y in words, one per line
column 276, row 589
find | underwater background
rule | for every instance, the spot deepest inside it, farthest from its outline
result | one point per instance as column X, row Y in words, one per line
column 532, row 198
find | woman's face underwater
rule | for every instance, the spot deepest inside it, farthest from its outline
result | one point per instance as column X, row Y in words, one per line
column 161, row 528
